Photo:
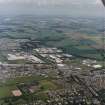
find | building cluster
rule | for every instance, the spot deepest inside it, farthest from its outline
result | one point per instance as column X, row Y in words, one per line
column 23, row 56
column 43, row 61
column 55, row 55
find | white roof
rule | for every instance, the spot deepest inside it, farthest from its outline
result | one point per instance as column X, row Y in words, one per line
column 53, row 57
column 68, row 55
column 61, row 65
column 97, row 66
column 32, row 57
column 14, row 57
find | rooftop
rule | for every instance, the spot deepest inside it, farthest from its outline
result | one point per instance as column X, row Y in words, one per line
column 16, row 93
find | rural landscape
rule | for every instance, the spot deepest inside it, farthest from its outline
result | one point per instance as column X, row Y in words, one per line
column 51, row 61
column 52, row 52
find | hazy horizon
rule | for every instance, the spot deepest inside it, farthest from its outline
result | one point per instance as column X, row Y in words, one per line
column 52, row 7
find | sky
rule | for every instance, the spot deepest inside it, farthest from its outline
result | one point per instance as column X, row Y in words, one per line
column 52, row 7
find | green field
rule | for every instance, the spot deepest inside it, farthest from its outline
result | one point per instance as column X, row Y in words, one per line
column 46, row 84
column 5, row 91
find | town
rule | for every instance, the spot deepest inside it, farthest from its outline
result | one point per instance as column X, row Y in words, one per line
column 47, row 76
column 52, row 52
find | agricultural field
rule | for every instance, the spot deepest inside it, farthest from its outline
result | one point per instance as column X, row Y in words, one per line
column 73, row 35
column 45, row 85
